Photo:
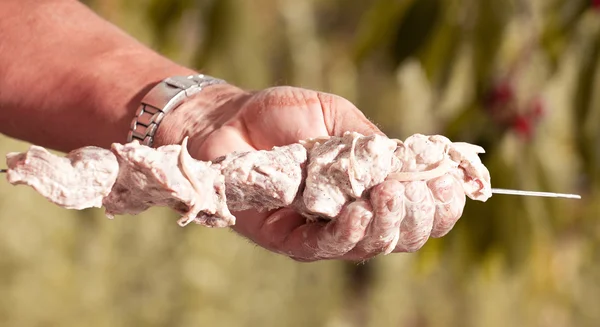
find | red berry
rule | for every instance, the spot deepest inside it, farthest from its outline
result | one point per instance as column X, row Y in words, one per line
column 522, row 125
column 501, row 94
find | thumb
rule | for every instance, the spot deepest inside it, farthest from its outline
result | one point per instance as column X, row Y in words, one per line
column 341, row 116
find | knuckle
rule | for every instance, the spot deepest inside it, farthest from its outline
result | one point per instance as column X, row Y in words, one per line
column 443, row 188
column 414, row 243
column 447, row 215
column 387, row 197
column 388, row 188
column 442, row 227
column 416, row 191
column 338, row 243
column 387, row 225
column 441, row 230
column 411, row 248
column 350, row 236
column 417, row 226
column 377, row 247
column 303, row 260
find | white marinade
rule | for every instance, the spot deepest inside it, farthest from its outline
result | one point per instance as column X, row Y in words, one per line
column 318, row 177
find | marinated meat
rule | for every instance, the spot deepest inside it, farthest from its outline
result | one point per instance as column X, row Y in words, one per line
column 80, row 180
column 263, row 180
column 318, row 177
column 341, row 169
column 168, row 177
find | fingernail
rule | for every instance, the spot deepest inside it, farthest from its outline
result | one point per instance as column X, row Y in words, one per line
column 365, row 218
column 392, row 246
column 275, row 217
column 393, row 205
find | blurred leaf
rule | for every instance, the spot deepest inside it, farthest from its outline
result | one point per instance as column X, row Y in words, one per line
column 562, row 17
column 587, row 100
column 415, row 29
column 377, row 26
column 415, row 100
column 164, row 15
column 443, row 45
column 217, row 29
column 491, row 18
column 455, row 91
column 591, row 125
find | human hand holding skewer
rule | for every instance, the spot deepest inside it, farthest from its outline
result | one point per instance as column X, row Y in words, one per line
column 380, row 214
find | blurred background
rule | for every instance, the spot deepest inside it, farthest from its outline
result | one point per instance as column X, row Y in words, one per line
column 519, row 77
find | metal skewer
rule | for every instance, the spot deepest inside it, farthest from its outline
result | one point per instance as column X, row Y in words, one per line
column 504, row 191
column 533, row 193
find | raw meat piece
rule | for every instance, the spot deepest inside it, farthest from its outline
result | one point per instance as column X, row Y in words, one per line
column 168, row 176
column 341, row 169
column 77, row 181
column 263, row 180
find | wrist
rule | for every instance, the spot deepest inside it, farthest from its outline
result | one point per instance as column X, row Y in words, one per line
column 117, row 84
column 200, row 114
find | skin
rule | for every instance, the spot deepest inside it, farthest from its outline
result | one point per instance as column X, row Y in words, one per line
column 283, row 115
column 78, row 80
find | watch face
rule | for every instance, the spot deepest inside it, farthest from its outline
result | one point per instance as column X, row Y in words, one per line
column 180, row 82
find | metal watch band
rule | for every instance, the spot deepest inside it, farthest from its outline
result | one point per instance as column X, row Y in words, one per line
column 162, row 98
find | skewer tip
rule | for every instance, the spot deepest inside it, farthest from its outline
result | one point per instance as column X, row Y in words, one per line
column 535, row 193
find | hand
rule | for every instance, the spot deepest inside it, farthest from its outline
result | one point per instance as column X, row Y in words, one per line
column 242, row 121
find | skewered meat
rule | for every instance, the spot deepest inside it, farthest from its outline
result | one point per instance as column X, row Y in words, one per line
column 82, row 179
column 318, row 177
column 340, row 169
column 149, row 177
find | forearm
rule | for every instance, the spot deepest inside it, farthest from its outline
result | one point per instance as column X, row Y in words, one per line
column 68, row 78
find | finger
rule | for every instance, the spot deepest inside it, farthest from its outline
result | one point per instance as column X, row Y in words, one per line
column 383, row 233
column 450, row 200
column 418, row 220
column 223, row 141
column 330, row 240
column 269, row 230
column 341, row 115
column 272, row 230
column 272, row 112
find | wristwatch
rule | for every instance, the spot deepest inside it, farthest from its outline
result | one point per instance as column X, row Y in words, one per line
column 163, row 98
